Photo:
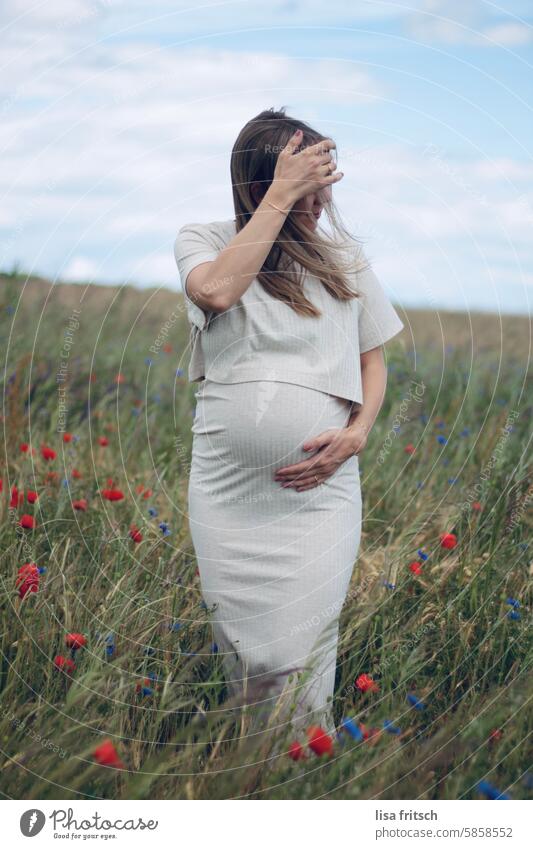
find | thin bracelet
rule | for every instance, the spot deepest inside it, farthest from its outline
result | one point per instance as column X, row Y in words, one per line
column 284, row 211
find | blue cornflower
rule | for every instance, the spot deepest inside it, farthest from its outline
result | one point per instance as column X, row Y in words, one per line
column 388, row 585
column 420, row 485
column 148, row 361
column 422, row 554
column 179, row 372
column 352, row 729
column 440, row 424
column 513, row 602
column 513, row 614
column 465, row 431
column 42, row 570
column 66, row 483
column 441, row 439
column 152, row 512
column 164, row 527
column 109, row 645
column 10, row 309
column 203, row 605
column 415, row 701
column 452, row 480
column 214, row 648
column 174, row 626
column 491, row 792
column 149, row 650
column 396, row 428
column 392, row 729
column 423, row 418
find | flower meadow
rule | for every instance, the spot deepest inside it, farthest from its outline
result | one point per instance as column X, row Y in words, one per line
column 112, row 686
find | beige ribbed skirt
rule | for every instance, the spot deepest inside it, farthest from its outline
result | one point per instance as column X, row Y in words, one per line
column 274, row 563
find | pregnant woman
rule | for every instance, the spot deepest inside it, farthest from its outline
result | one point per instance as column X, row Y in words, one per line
column 287, row 324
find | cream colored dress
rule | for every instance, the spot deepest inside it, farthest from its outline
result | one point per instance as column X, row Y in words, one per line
column 275, row 564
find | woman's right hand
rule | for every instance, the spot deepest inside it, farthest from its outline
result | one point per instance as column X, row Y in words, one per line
column 300, row 174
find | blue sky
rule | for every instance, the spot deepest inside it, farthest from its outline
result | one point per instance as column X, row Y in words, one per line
column 118, row 118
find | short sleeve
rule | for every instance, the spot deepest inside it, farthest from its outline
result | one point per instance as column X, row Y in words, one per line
column 378, row 320
column 192, row 247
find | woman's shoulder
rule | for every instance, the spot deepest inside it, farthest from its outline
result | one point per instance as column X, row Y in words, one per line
column 222, row 228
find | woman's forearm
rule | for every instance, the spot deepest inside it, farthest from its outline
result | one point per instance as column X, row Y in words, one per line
column 224, row 281
column 374, row 381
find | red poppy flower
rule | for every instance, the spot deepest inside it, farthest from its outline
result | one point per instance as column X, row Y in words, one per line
column 119, row 378
column 448, row 540
column 67, row 437
column 48, row 453
column 107, row 755
column 103, row 440
column 147, row 493
column 296, row 751
column 80, row 504
column 370, row 734
column 17, row 498
column 495, row 735
column 167, row 348
column 75, row 641
column 24, row 447
column 27, row 580
column 52, row 476
column 64, row 663
column 366, row 684
column 139, row 488
column 76, row 474
column 92, row 377
column 27, row 521
column 135, row 534
column 32, row 496
column 319, row 741
column 113, row 494
column 416, row 568
column 476, row 505
column 1, row 485
column 409, row 448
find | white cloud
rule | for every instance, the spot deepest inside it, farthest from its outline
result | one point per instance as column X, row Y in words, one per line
column 80, row 269
column 111, row 142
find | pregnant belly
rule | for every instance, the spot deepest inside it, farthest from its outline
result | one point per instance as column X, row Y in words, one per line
column 261, row 425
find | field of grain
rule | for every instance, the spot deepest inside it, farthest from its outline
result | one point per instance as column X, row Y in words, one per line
column 111, row 685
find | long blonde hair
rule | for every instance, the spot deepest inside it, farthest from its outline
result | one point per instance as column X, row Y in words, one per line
column 297, row 249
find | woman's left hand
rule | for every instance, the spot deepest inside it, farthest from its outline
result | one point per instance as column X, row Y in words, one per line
column 333, row 447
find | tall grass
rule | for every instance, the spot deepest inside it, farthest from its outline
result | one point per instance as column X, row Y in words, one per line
column 444, row 635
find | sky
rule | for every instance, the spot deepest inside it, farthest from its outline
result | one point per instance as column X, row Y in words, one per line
column 118, row 118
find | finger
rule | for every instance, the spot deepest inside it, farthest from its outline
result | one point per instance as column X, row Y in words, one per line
column 293, row 143
column 310, row 483
column 298, row 476
column 333, row 178
column 292, row 472
column 322, row 146
column 322, row 439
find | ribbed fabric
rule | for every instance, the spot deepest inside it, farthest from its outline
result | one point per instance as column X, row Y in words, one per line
column 275, row 564
column 261, row 338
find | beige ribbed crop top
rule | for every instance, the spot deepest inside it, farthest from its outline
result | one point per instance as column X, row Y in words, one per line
column 261, row 338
